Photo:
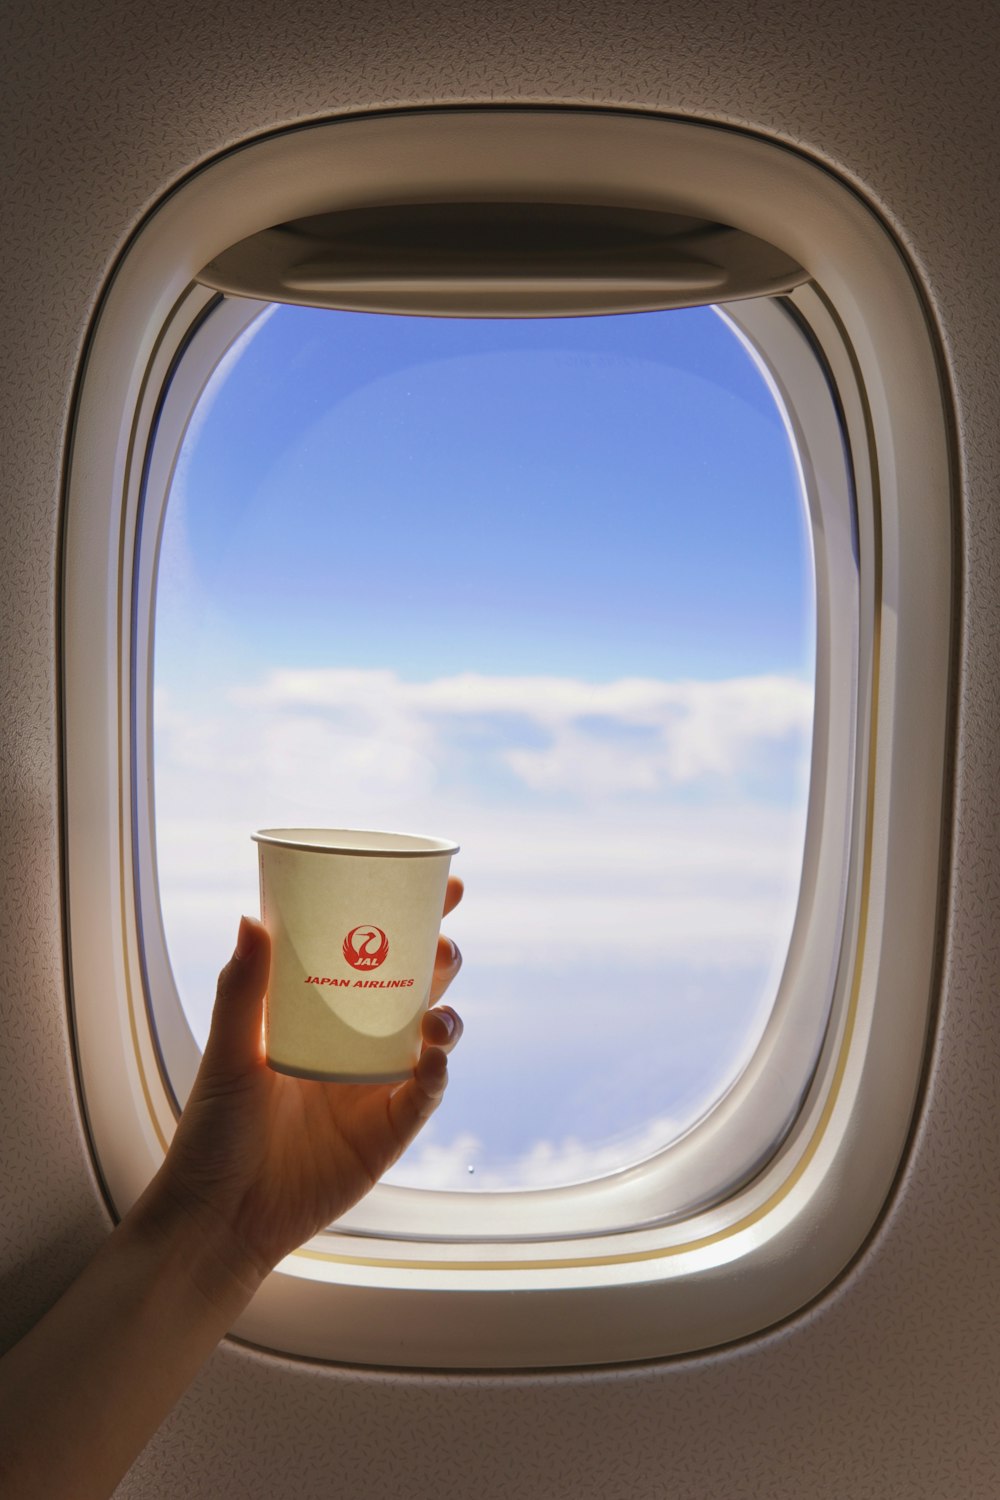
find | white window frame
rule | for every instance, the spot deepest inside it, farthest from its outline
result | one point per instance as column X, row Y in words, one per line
column 759, row 1207
column 741, row 1130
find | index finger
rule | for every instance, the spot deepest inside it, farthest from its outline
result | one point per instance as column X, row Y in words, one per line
column 453, row 894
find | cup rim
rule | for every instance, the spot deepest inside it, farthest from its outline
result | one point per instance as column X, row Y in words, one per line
column 332, row 841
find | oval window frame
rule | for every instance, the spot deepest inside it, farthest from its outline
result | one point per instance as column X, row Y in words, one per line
column 741, row 1129
column 697, row 1275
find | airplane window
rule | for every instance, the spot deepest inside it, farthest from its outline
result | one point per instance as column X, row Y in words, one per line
column 545, row 586
column 651, row 611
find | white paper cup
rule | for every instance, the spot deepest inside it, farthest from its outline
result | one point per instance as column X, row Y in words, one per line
column 353, row 918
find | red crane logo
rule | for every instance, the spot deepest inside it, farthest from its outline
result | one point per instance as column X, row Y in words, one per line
column 366, row 947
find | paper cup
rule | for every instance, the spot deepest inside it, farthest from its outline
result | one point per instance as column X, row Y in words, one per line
column 353, row 918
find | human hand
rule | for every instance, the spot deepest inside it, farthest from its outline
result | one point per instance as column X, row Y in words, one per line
column 259, row 1162
column 263, row 1160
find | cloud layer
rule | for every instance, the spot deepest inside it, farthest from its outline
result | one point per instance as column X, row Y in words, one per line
column 456, row 1164
column 600, row 738
column 608, row 828
column 584, row 809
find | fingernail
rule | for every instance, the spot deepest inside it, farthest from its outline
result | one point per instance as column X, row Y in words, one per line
column 449, row 1021
column 454, row 950
column 244, row 938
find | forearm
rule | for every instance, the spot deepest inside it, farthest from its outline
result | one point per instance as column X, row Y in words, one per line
column 83, row 1392
column 259, row 1162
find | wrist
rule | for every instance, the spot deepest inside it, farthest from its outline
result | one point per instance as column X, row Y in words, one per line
column 192, row 1244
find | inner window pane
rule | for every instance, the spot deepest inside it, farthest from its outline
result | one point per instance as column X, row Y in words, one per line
column 542, row 586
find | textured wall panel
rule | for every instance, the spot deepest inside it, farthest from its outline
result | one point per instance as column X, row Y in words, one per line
column 887, row 1388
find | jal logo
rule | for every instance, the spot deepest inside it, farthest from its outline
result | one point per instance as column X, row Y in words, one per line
column 366, row 947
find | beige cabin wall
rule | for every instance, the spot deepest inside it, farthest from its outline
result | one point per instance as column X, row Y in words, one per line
column 887, row 1386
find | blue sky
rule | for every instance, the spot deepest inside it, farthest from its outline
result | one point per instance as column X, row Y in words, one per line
column 543, row 587
column 491, row 495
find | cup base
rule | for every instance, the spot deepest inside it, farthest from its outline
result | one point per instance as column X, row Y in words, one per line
column 321, row 1077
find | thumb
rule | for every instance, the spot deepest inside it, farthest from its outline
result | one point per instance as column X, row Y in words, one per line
column 235, row 1041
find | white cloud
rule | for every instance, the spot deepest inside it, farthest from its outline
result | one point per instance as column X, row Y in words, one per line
column 689, row 729
column 594, row 851
column 546, row 1163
